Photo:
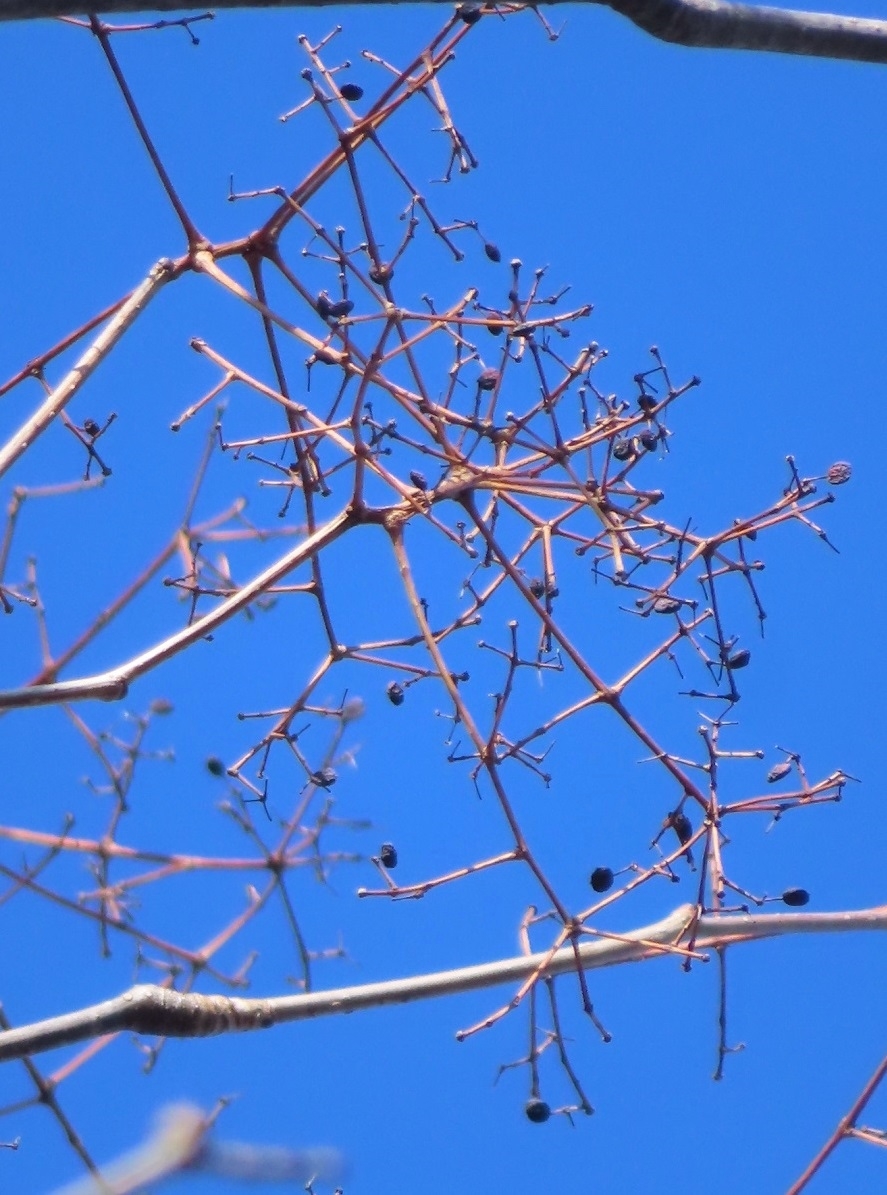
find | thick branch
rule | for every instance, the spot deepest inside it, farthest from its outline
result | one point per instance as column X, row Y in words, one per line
column 719, row 25
column 712, row 23
column 146, row 1008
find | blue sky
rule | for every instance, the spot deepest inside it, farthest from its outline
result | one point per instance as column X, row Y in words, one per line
column 726, row 207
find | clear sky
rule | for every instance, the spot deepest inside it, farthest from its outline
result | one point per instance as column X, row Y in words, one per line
column 726, row 207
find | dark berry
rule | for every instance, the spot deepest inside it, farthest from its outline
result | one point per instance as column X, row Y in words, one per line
column 492, row 251
column 537, row 1110
column 469, row 13
column 341, row 309
column 395, row 693
column 795, row 897
column 488, row 379
column 351, row 92
column 622, row 449
column 601, row 879
column 682, row 827
column 649, row 439
column 739, row 659
column 214, row 766
column 388, row 855
column 418, row 479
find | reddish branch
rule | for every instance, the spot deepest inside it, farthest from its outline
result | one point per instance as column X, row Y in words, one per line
column 530, row 488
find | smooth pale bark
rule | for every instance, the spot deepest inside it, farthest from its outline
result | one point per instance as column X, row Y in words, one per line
column 712, row 23
column 160, row 1011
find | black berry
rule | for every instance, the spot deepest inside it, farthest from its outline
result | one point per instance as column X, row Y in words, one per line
column 601, row 879
column 537, row 1110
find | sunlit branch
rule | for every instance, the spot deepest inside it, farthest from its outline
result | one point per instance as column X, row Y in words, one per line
column 149, row 1009
column 57, row 400
column 720, row 25
column 113, row 684
column 712, row 23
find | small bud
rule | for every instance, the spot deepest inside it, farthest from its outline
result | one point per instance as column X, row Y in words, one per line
column 666, row 605
column 795, row 897
column 353, row 709
column 601, row 879
column 382, row 273
column 839, row 472
column 161, row 706
column 537, row 1110
column 388, row 855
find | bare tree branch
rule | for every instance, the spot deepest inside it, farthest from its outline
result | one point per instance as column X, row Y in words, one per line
column 712, row 23
column 148, row 1008
column 113, row 685
column 181, row 1142
column 719, row 25
column 71, row 383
